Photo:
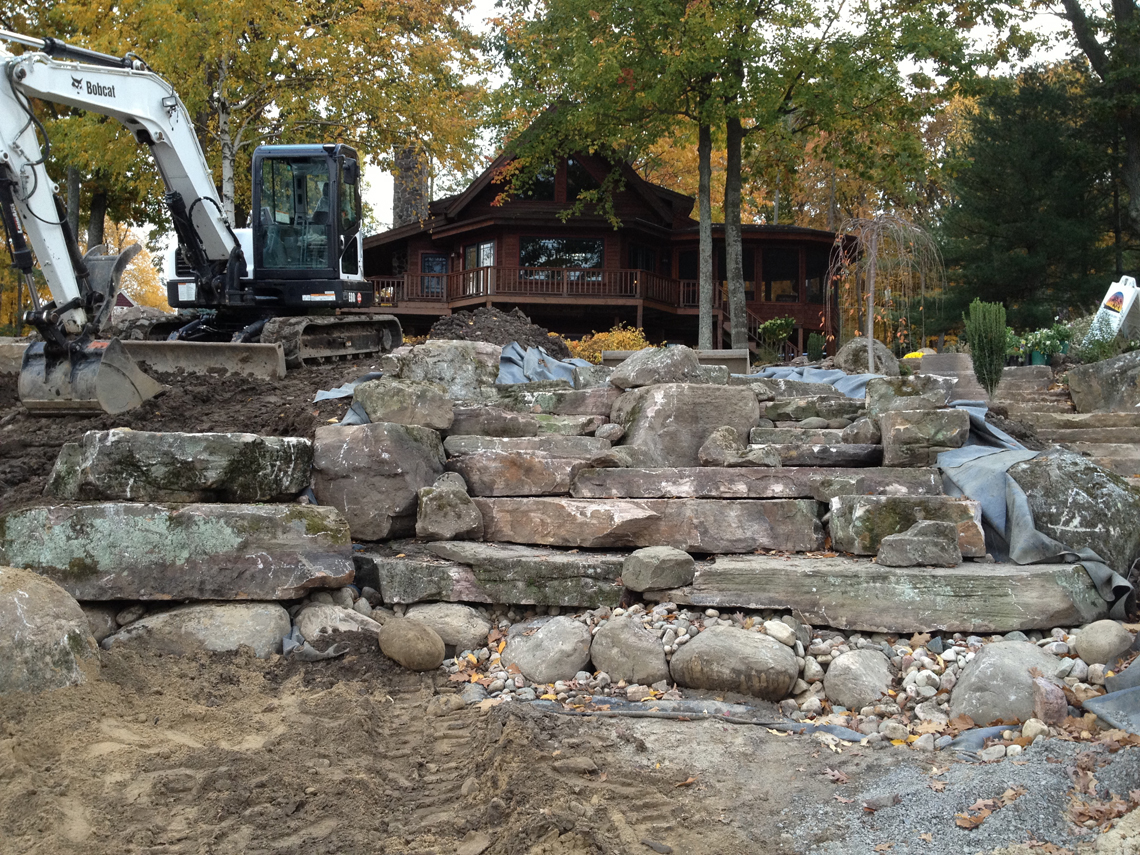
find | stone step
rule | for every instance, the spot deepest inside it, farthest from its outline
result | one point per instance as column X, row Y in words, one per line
column 1121, row 458
column 516, row 473
column 694, row 525
column 1099, row 435
column 1026, row 374
column 858, row 594
column 569, row 425
column 827, row 454
column 1020, row 408
column 1057, row 421
column 858, row 524
column 753, row 483
column 583, row 447
column 1031, row 395
column 790, row 435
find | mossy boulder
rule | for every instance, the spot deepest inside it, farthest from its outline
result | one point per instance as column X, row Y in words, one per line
column 406, row 402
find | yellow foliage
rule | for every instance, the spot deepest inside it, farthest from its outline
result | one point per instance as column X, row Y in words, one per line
column 620, row 337
column 141, row 280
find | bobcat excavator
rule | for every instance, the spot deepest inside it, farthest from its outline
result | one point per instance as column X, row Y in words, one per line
column 266, row 284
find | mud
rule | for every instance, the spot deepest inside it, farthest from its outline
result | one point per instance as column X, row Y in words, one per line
column 497, row 327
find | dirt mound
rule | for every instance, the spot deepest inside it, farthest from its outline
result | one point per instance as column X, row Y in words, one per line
column 500, row 328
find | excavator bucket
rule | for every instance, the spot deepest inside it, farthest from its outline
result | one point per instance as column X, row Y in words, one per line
column 100, row 378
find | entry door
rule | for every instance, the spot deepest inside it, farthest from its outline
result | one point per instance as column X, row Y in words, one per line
column 433, row 266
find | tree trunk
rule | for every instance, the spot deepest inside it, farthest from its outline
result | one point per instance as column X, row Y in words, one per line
column 95, row 221
column 732, row 249
column 872, row 253
column 705, row 251
column 229, row 186
column 73, row 201
column 776, row 207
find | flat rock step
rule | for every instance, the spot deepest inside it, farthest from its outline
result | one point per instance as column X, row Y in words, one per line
column 827, row 454
column 470, row 572
column 753, row 483
column 789, row 436
column 1123, row 459
column 1025, row 408
column 1099, row 435
column 854, row 594
column 1084, row 420
column 1031, row 395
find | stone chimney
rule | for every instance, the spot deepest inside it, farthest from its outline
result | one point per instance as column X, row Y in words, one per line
column 410, row 192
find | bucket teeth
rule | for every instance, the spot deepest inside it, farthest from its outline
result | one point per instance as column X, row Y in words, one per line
column 100, row 378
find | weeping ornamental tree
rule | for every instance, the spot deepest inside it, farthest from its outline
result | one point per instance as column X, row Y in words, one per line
column 885, row 280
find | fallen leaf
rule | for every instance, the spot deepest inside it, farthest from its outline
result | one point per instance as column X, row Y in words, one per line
column 937, row 786
column 1011, row 795
column 692, row 779
column 884, row 847
column 842, row 800
column 929, row 727
column 835, row 775
column 919, row 639
column 927, row 836
column 963, row 820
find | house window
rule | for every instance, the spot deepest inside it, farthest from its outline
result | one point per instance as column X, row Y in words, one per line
column 433, row 267
column 479, row 255
column 578, row 180
column 642, row 258
column 542, row 188
column 816, row 262
column 782, row 275
column 561, row 252
column 688, row 264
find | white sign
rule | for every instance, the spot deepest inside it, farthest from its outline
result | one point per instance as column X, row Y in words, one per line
column 186, row 292
column 1119, row 312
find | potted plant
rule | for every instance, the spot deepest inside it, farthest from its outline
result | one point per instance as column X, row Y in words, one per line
column 1042, row 344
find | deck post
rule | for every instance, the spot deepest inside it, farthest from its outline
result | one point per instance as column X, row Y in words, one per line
column 640, row 307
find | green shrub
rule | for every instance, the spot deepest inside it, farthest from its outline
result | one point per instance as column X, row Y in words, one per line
column 815, row 345
column 986, row 333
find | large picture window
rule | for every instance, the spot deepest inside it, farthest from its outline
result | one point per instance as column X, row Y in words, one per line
column 479, row 255
column 561, row 252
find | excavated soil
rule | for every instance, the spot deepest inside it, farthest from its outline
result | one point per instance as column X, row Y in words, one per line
column 496, row 327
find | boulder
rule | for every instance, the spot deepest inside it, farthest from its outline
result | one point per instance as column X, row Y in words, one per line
column 405, row 402
column 373, row 474
column 926, row 543
column 1101, row 642
column 917, row 392
column 462, row 368
column 128, row 551
column 626, row 650
column 143, row 466
column 728, row 659
column 1079, row 504
column 446, row 512
column 655, row 568
column 461, row 627
column 852, row 358
column 862, row 431
column 694, row 525
column 516, row 473
column 558, row 648
column 998, row 684
column 1108, row 386
column 569, row 425
column 816, row 407
column 491, row 421
column 916, row 437
column 669, row 423
column 556, row 397
column 859, row 523
column 857, row 679
column 610, row 432
column 412, row 644
column 317, row 619
column 658, row 365
column 576, row 447
column 724, row 448
column 770, row 388
column 592, row 376
column 208, row 628
column 45, row 641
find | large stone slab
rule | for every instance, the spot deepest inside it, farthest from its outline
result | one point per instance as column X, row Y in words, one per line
column 694, row 525
column 120, row 551
column 491, row 573
column 859, row 523
column 579, row 447
column 1079, row 504
column 491, row 421
column 373, row 474
column 570, row 425
column 463, row 368
column 516, row 473
column 857, row 594
column 1111, row 385
column 405, row 402
column 181, row 467
column 557, row 398
column 208, row 628
column 783, row 483
column 818, row 406
column 844, row 454
column 916, row 437
column 789, row 436
column 669, row 423
column 769, row 388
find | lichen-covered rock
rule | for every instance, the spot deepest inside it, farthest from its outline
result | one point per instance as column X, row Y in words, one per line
column 916, row 437
column 1079, row 504
column 927, row 543
column 1109, row 386
column 857, row 679
column 626, row 650
column 657, row 568
column 412, row 644
column 727, row 659
column 658, row 365
column 405, row 402
column 463, row 368
column 45, row 640
column 143, row 466
column 862, row 431
column 208, row 628
column 852, row 358
column 670, row 422
column 491, row 421
column 557, row 649
column 131, row 551
column 859, row 523
column 446, row 512
column 998, row 684
column 724, row 448
column 373, row 473
column 917, row 392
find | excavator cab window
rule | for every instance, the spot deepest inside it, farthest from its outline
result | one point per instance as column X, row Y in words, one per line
column 296, row 213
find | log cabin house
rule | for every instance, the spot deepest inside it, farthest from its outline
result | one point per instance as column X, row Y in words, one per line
column 582, row 275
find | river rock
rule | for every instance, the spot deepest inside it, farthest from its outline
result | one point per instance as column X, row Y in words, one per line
column 181, row 467
column 998, row 683
column 1109, row 386
column 491, row 421
column 128, row 551
column 373, row 473
column 725, row 658
column 857, row 679
column 1101, row 642
column 517, row 473
column 852, row 358
column 657, row 568
column 208, row 628
column 446, row 512
column 926, row 543
column 463, row 368
column 859, row 523
column 916, row 437
column 45, row 641
column 694, row 525
column 557, row 650
column 626, row 650
column 461, row 627
column 405, row 402
column 412, row 644
column 1079, row 504
column 917, row 392
column 652, row 366
column 317, row 619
